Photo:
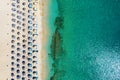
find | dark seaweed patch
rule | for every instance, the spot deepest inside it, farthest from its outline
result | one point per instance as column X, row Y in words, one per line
column 57, row 50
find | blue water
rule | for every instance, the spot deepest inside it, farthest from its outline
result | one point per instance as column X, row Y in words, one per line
column 91, row 39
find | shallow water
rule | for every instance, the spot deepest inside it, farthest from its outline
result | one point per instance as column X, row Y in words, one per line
column 90, row 39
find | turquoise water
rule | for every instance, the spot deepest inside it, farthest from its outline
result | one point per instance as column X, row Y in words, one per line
column 53, row 13
column 90, row 39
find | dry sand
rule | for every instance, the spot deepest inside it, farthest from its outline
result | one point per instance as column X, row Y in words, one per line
column 45, row 32
column 5, row 39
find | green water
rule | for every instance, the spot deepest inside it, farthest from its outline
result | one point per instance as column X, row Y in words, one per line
column 90, row 39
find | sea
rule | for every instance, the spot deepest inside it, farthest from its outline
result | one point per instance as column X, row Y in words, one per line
column 85, row 40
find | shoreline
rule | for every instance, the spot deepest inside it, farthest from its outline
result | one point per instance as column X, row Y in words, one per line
column 49, row 13
column 45, row 35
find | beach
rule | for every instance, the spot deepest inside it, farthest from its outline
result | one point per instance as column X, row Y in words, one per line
column 49, row 14
column 45, row 34
column 60, row 40
column 6, row 39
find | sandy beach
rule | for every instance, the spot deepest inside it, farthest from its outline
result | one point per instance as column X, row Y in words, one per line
column 45, row 35
column 5, row 39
